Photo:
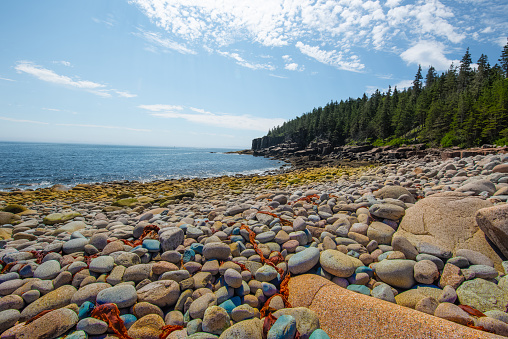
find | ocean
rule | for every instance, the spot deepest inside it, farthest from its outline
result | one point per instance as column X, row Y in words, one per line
column 36, row 165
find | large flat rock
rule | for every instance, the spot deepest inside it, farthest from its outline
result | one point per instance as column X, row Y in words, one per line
column 346, row 314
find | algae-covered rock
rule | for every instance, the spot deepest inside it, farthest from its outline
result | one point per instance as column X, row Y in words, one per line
column 14, row 208
column 127, row 202
column 57, row 218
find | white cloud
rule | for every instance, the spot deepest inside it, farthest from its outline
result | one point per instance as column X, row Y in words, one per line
column 50, row 76
column 244, row 122
column 155, row 39
column 160, row 108
column 242, row 62
column 125, row 94
column 106, row 127
column 332, row 58
column 63, row 62
column 278, row 76
column 6, row 79
column 290, row 65
column 404, row 84
column 24, row 121
column 337, row 28
column 427, row 53
column 58, row 110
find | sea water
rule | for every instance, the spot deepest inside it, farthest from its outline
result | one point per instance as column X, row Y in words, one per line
column 36, row 165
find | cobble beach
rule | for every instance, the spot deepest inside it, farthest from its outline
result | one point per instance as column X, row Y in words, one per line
column 224, row 257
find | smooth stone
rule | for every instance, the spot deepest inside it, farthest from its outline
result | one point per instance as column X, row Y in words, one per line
column 398, row 272
column 439, row 263
column 152, row 245
column 47, row 270
column 121, row 295
column 92, row 326
column 319, row 334
column 387, row 211
column 88, row 293
column 383, row 292
column 140, row 309
column 303, row 261
column 58, row 298
column 161, row 293
column 243, row 312
column 50, row 325
column 215, row 320
column 251, row 329
column 484, row 271
column 233, row 278
column 11, row 301
column 230, row 304
column 198, row 306
column 8, row 318
column 453, row 313
column 425, row 271
column 380, row 232
column 493, row 221
column 172, row 238
column 74, row 245
column 284, row 327
column 497, row 314
column 128, row 320
column 148, row 327
column 337, row 263
column 102, row 264
column 359, row 289
column 137, row 273
column 307, row 320
column 266, row 273
column 216, row 250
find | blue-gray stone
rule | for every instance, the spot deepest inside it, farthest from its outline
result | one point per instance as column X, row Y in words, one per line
column 122, row 295
column 284, row 327
column 230, row 304
column 197, row 247
column 303, row 261
column 359, row 289
column 102, row 264
column 8, row 276
column 152, row 245
column 319, row 334
column 268, row 289
column 85, row 310
column 353, row 254
column 92, row 326
column 265, row 237
column 128, row 320
column 75, row 245
column 383, row 292
column 365, row 269
column 188, row 255
column 8, row 318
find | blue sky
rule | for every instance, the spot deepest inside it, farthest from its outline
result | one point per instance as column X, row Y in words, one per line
column 207, row 73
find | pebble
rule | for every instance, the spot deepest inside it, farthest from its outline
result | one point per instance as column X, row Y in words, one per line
column 284, row 327
column 121, row 295
column 47, row 270
column 336, row 263
column 304, row 260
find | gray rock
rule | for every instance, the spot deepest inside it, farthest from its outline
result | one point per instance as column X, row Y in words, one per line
column 336, row 263
column 58, row 298
column 8, row 318
column 48, row 270
column 387, row 211
column 216, row 250
column 161, row 293
column 122, row 295
column 92, row 326
column 397, row 273
column 102, row 264
column 303, row 261
column 74, row 245
column 88, row 293
column 198, row 306
column 170, row 239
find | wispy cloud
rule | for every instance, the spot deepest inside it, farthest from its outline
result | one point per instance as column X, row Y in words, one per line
column 332, row 58
column 24, row 121
column 6, row 79
column 277, row 76
column 59, row 110
column 48, row 75
column 51, row 76
column 161, row 108
column 106, row 127
column 110, row 21
column 201, row 116
column 157, row 41
column 63, row 62
column 125, row 94
column 242, row 62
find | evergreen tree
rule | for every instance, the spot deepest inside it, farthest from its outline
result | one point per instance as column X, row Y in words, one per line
column 504, row 59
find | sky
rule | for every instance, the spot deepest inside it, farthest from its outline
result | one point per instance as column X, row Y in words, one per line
column 216, row 73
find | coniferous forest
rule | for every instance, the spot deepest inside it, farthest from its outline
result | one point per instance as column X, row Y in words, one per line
column 465, row 106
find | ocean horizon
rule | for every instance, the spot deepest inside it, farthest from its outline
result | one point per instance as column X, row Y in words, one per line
column 31, row 165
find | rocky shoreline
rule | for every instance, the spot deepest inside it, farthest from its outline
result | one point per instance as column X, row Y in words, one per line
column 208, row 258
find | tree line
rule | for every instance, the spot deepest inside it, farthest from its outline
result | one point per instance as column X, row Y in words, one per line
column 465, row 106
